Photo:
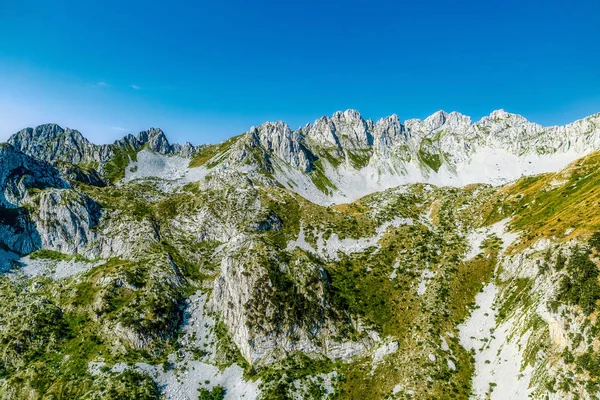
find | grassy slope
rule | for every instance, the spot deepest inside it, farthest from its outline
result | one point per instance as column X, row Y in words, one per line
column 360, row 283
column 205, row 155
column 559, row 205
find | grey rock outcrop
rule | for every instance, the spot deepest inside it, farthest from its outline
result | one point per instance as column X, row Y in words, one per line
column 65, row 220
column 38, row 208
column 156, row 140
column 19, row 172
column 277, row 138
column 50, row 142
column 387, row 133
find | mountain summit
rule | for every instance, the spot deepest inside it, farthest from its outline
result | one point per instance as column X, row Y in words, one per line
column 344, row 157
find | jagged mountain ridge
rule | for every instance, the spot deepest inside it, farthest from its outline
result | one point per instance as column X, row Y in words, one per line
column 341, row 158
column 50, row 142
column 357, row 157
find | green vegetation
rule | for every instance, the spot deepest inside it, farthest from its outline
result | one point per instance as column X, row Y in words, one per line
column 128, row 384
column 333, row 159
column 321, row 181
column 114, row 170
column 51, row 331
column 91, row 165
column 216, row 393
column 208, row 153
column 549, row 205
column 579, row 286
column 296, row 375
column 428, row 158
column 227, row 351
column 359, row 159
column 362, row 284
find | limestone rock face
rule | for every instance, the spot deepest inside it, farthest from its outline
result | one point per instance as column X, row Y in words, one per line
column 155, row 139
column 65, row 221
column 323, row 132
column 50, row 142
column 265, row 330
column 40, row 209
column 55, row 218
column 388, row 132
column 352, row 130
column 19, row 172
column 187, row 150
column 277, row 138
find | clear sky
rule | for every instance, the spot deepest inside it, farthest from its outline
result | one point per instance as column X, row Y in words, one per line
column 203, row 71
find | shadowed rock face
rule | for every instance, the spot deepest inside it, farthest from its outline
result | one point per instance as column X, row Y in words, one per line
column 63, row 220
column 50, row 142
column 19, row 172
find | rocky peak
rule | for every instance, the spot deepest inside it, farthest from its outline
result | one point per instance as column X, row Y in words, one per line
column 502, row 118
column 34, row 138
column 278, row 138
column 435, row 120
column 352, row 130
column 51, row 142
column 387, row 132
column 187, row 150
column 390, row 125
column 40, row 134
column 156, row 140
column 323, row 133
column 502, row 123
column 456, row 121
column 499, row 114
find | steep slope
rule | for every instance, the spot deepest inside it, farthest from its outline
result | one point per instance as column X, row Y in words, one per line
column 539, row 334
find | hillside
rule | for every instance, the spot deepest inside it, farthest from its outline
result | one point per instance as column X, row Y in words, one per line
column 434, row 259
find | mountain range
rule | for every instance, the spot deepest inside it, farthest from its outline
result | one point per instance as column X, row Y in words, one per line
column 349, row 259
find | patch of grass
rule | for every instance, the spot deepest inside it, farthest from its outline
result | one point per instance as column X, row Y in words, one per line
column 432, row 160
column 518, row 296
column 334, row 160
column 359, row 159
column 90, row 165
column 579, row 285
column 114, row 170
column 227, row 352
column 548, row 205
column 295, row 375
column 216, row 393
column 321, row 181
column 209, row 152
column 467, row 280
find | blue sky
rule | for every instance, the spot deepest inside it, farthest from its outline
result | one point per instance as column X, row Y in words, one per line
column 204, row 71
